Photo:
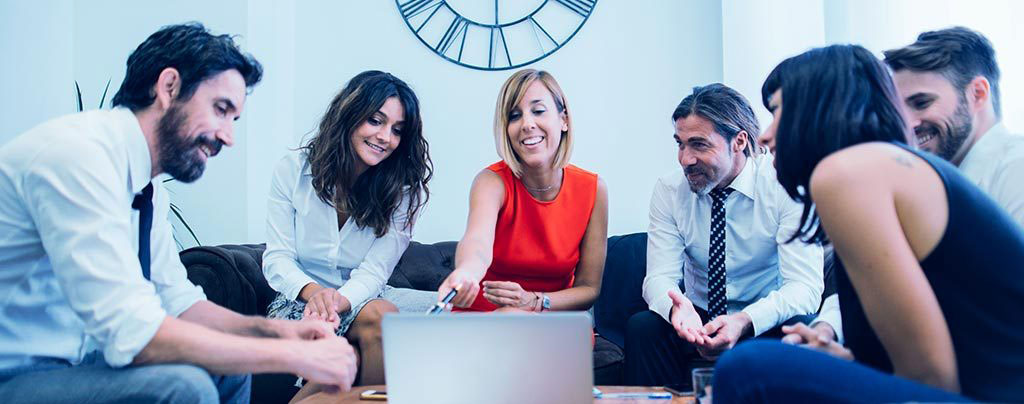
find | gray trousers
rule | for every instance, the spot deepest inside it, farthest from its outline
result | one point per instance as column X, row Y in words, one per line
column 93, row 381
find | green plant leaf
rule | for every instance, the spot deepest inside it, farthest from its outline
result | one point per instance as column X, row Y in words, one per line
column 104, row 97
column 177, row 213
column 78, row 93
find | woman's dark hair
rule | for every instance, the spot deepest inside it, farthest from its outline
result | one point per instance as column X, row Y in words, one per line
column 188, row 48
column 373, row 197
column 832, row 98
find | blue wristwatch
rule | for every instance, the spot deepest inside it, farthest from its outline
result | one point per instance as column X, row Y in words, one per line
column 545, row 302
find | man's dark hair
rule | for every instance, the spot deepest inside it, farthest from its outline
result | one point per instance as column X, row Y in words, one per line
column 724, row 107
column 193, row 51
column 832, row 98
column 959, row 54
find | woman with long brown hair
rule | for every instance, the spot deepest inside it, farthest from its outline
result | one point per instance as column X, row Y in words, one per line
column 341, row 213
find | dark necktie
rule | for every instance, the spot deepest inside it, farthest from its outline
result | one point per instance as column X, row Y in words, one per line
column 144, row 204
column 716, row 259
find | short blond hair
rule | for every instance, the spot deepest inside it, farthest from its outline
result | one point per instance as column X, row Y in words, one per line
column 512, row 93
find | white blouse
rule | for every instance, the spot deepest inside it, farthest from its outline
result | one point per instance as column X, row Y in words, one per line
column 304, row 244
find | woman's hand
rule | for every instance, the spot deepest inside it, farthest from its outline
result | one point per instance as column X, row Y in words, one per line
column 467, row 283
column 821, row 337
column 325, row 304
column 510, row 294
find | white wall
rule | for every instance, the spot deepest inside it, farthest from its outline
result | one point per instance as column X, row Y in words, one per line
column 623, row 74
column 271, row 108
column 36, row 76
column 880, row 25
column 757, row 35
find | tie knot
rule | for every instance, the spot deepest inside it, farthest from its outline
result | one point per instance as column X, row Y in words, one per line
column 146, row 196
column 721, row 193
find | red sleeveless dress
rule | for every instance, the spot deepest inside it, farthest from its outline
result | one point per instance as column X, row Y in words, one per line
column 537, row 243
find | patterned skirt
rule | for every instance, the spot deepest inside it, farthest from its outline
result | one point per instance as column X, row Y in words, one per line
column 407, row 301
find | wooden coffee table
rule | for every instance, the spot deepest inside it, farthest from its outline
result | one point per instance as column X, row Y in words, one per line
column 352, row 397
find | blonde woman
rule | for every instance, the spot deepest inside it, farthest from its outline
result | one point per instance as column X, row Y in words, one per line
column 537, row 229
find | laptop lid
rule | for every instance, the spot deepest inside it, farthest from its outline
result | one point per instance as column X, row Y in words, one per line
column 488, row 358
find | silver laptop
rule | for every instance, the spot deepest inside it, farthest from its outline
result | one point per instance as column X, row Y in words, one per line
column 488, row 358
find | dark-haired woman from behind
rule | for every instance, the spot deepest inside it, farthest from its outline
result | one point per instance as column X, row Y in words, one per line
column 341, row 213
column 930, row 280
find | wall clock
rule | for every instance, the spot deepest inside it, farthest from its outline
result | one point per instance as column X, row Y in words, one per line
column 498, row 35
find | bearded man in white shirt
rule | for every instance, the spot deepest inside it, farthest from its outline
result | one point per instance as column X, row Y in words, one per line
column 949, row 82
column 97, row 306
column 720, row 266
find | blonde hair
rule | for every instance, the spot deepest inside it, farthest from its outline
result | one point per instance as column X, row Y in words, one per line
column 512, row 93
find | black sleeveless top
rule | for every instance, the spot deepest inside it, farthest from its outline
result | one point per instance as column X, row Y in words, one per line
column 977, row 274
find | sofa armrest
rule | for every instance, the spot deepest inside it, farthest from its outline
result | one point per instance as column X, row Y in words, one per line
column 231, row 276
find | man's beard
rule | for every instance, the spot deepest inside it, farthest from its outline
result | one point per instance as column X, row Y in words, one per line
column 179, row 156
column 953, row 132
column 707, row 175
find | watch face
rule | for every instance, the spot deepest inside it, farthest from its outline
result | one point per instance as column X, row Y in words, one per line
column 498, row 35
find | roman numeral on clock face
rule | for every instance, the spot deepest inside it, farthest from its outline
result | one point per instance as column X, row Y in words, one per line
column 581, row 7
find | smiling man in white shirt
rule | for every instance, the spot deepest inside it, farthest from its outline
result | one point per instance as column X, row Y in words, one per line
column 949, row 82
column 719, row 267
column 96, row 304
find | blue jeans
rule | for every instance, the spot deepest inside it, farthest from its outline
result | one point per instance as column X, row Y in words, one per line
column 93, row 381
column 773, row 372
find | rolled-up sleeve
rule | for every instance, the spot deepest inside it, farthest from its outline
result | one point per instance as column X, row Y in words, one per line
column 280, row 259
column 368, row 279
column 665, row 252
column 82, row 213
column 800, row 270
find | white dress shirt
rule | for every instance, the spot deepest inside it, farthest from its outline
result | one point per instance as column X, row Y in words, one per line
column 995, row 164
column 70, row 278
column 304, row 244
column 767, row 278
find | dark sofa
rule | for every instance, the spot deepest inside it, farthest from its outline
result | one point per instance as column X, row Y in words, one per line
column 232, row 277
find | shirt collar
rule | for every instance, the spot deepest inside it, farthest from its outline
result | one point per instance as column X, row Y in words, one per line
column 140, row 164
column 984, row 148
column 744, row 181
column 307, row 169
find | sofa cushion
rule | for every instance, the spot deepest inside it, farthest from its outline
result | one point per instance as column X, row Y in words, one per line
column 424, row 266
column 608, row 362
column 621, row 286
